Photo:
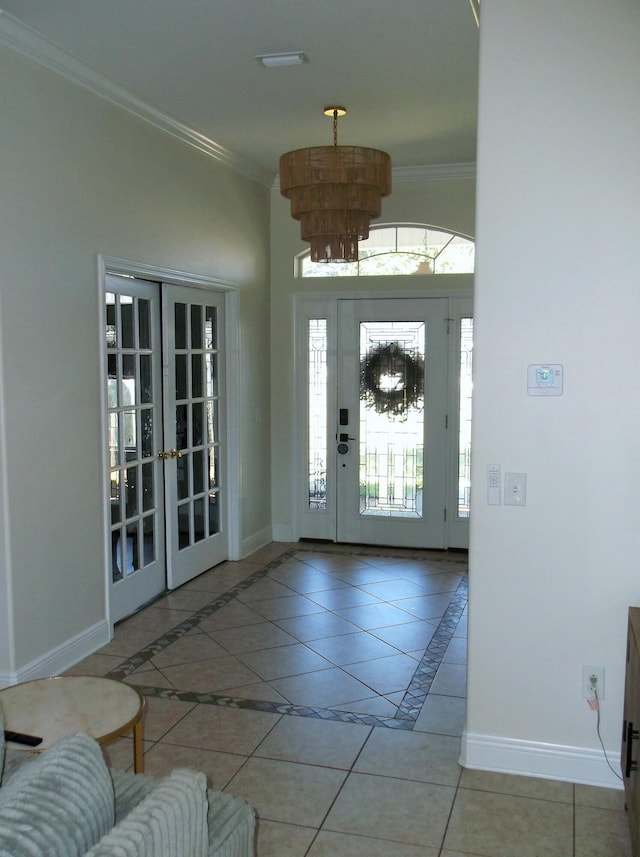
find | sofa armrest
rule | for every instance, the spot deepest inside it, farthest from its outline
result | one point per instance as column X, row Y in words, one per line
column 130, row 789
column 232, row 823
column 57, row 802
column 231, row 820
column 170, row 820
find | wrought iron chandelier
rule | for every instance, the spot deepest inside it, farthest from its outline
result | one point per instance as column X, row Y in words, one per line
column 335, row 192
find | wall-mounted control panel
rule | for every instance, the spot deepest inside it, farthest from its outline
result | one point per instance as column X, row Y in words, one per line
column 544, row 379
column 494, row 497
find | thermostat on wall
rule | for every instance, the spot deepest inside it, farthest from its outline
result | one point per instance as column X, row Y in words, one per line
column 544, row 379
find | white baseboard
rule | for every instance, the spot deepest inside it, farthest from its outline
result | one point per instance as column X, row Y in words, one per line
column 62, row 657
column 256, row 541
column 535, row 759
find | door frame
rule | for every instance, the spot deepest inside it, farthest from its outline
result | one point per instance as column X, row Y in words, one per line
column 319, row 525
column 124, row 267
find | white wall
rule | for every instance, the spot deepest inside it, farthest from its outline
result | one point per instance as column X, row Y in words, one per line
column 445, row 202
column 557, row 280
column 80, row 177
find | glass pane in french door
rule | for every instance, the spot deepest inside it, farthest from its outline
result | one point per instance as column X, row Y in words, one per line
column 194, row 407
column 136, row 502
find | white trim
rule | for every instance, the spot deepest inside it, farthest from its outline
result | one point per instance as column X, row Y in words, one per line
column 102, row 362
column 463, row 291
column 256, row 541
column 30, row 43
column 7, row 634
column 63, row 657
column 537, row 759
column 234, row 459
column 114, row 265
column 475, row 8
column 433, row 173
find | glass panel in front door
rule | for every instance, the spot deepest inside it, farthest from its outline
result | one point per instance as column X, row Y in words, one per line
column 195, row 401
column 391, row 418
column 133, row 431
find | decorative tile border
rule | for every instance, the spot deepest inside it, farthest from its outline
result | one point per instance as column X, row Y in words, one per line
column 423, row 677
column 408, row 710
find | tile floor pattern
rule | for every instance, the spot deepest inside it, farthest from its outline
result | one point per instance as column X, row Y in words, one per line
column 326, row 685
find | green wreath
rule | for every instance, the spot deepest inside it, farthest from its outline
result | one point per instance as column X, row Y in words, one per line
column 391, row 361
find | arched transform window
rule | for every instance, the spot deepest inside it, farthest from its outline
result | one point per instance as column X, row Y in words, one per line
column 400, row 250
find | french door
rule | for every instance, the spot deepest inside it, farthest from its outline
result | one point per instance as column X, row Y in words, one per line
column 166, row 436
column 386, row 424
column 194, row 432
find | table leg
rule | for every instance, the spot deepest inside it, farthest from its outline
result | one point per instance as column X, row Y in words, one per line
column 138, row 762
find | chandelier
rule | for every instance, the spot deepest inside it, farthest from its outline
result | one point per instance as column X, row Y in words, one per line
column 335, row 192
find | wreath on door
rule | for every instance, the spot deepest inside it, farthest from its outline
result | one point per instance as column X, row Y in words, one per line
column 391, row 379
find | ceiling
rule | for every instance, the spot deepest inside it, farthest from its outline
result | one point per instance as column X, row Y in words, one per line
column 406, row 70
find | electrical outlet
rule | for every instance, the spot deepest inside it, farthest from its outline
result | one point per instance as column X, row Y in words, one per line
column 592, row 680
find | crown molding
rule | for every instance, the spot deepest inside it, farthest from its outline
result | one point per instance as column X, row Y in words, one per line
column 434, row 173
column 30, row 43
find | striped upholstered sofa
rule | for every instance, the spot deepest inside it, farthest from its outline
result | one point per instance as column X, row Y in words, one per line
column 65, row 802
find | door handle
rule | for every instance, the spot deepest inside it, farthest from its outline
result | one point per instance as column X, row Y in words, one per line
column 171, row 453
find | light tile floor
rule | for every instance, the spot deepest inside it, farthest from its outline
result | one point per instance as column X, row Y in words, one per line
column 326, row 685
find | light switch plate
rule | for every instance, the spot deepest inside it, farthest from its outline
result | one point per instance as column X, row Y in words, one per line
column 515, row 489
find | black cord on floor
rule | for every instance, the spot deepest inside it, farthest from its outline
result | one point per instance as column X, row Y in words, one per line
column 595, row 693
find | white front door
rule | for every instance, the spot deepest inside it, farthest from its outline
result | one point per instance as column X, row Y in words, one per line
column 166, row 435
column 387, row 413
column 392, row 402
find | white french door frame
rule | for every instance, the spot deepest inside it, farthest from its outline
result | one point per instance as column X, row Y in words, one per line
column 321, row 524
column 123, row 267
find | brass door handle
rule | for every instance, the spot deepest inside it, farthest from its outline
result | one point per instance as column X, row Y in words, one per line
column 175, row 453
column 172, row 453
